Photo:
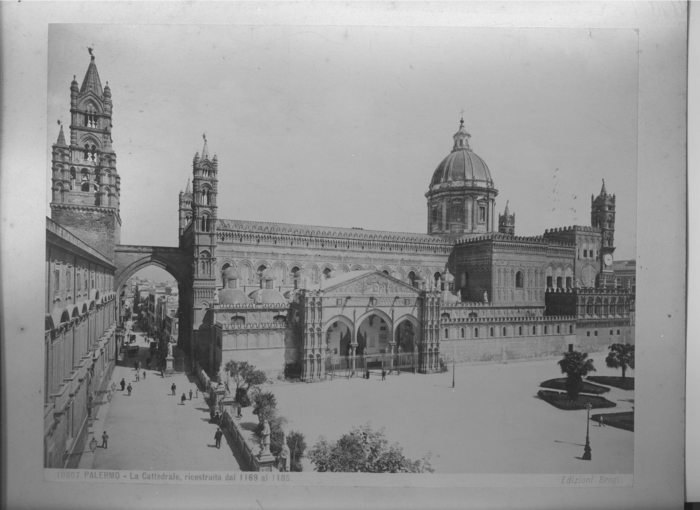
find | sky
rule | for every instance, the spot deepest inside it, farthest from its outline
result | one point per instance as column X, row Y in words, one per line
column 344, row 126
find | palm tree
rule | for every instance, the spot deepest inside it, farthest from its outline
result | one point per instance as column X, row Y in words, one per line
column 576, row 366
column 621, row 356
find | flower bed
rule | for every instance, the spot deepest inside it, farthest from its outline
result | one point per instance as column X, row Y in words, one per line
column 619, row 420
column 560, row 384
column 561, row 401
column 618, row 382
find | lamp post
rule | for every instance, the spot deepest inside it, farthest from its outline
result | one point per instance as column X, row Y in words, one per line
column 587, row 449
column 93, row 444
column 453, row 373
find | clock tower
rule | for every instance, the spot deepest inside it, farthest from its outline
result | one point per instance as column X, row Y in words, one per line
column 603, row 218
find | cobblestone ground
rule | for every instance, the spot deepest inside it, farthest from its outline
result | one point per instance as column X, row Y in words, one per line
column 492, row 422
column 151, row 430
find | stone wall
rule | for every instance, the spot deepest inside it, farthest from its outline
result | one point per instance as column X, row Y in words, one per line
column 505, row 349
column 99, row 228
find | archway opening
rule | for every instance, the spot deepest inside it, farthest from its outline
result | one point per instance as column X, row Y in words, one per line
column 338, row 336
column 373, row 336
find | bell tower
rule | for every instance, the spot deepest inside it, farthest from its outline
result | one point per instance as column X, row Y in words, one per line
column 85, row 184
column 506, row 222
column 204, row 215
column 603, row 218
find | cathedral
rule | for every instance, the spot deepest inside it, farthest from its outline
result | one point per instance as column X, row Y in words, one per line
column 322, row 301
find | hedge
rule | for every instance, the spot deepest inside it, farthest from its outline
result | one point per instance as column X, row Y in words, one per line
column 562, row 401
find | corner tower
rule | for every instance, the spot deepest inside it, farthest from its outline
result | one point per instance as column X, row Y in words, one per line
column 461, row 194
column 85, row 184
column 203, row 235
column 603, row 217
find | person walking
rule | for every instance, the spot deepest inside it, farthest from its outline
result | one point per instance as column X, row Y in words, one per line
column 144, row 374
column 217, row 437
column 196, row 393
column 105, row 437
column 182, row 399
column 129, row 388
column 383, row 374
column 123, row 384
column 601, row 422
column 137, row 376
column 173, row 388
column 190, row 394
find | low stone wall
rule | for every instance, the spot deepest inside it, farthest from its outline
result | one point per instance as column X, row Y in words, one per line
column 241, row 442
column 505, row 349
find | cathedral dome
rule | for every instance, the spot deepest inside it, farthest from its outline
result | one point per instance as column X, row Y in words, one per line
column 230, row 273
column 462, row 164
column 232, row 297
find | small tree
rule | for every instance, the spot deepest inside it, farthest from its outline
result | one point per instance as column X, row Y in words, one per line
column 621, row 356
column 576, row 366
column 366, row 451
column 297, row 447
column 277, row 424
column 265, row 405
column 245, row 377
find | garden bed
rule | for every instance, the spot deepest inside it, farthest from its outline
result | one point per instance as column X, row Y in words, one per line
column 618, row 382
column 561, row 401
column 560, row 384
column 619, row 420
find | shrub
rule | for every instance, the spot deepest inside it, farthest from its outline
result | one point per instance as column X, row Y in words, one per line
column 242, row 397
column 265, row 405
column 297, row 447
column 277, row 424
column 618, row 382
column 562, row 401
column 560, row 384
column 443, row 366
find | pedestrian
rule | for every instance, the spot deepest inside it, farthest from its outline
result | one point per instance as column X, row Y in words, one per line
column 123, row 384
column 144, row 374
column 190, row 394
column 182, row 399
column 173, row 388
column 383, row 375
column 240, row 415
column 137, row 376
column 128, row 388
column 211, row 416
column 284, row 454
column 161, row 372
column 601, row 423
column 367, row 373
column 105, row 437
column 196, row 393
column 217, row 437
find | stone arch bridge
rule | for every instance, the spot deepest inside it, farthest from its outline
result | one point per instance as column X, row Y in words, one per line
column 129, row 259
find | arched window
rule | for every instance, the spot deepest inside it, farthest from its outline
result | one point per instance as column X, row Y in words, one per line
column 412, row 278
column 519, row 279
column 436, row 277
column 68, row 280
column 571, row 329
column 455, row 215
column 462, row 332
column 559, row 282
column 206, row 223
column 447, row 333
column 520, row 330
column 549, row 282
column 84, row 181
column 505, row 332
column 476, row 332
column 72, row 178
column 327, row 272
column 545, row 329
column 558, row 329
column 437, row 223
column 534, row 330
column 491, row 331
column 205, row 262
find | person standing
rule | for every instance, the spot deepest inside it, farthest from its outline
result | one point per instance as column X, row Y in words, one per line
column 123, row 384
column 173, row 388
column 217, row 437
column 105, row 437
column 182, row 399
column 137, row 376
column 601, row 423
column 190, row 394
column 196, row 393
column 144, row 374
column 383, row 375
column 129, row 388
column 284, row 455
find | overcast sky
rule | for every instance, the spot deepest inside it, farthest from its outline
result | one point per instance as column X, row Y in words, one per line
column 344, row 126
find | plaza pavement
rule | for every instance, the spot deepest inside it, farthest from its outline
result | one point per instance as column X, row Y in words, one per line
column 492, row 422
column 150, row 430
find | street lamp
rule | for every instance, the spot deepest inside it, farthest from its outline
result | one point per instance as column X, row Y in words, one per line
column 587, row 449
column 453, row 373
column 93, row 444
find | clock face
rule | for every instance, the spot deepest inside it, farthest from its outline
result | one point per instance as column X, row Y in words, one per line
column 608, row 259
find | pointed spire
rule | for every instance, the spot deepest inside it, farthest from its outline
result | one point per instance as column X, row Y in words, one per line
column 188, row 189
column 92, row 78
column 603, row 191
column 507, row 211
column 61, row 137
column 205, row 149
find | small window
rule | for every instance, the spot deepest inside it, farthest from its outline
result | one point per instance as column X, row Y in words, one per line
column 558, row 329
column 447, row 333
column 618, row 331
column 339, row 302
column 476, row 332
column 520, row 330
column 568, row 282
column 462, row 333
column 491, row 331
column 559, row 282
column 519, row 279
column 585, row 254
column 595, row 333
column 545, row 329
column 588, row 333
column 504, row 332
column 549, row 282
column 611, row 332
column 482, row 214
column 407, row 302
column 534, row 330
column 571, row 329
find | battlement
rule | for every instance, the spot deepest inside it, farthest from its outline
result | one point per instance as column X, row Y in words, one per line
column 572, row 228
column 521, row 318
column 497, row 236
